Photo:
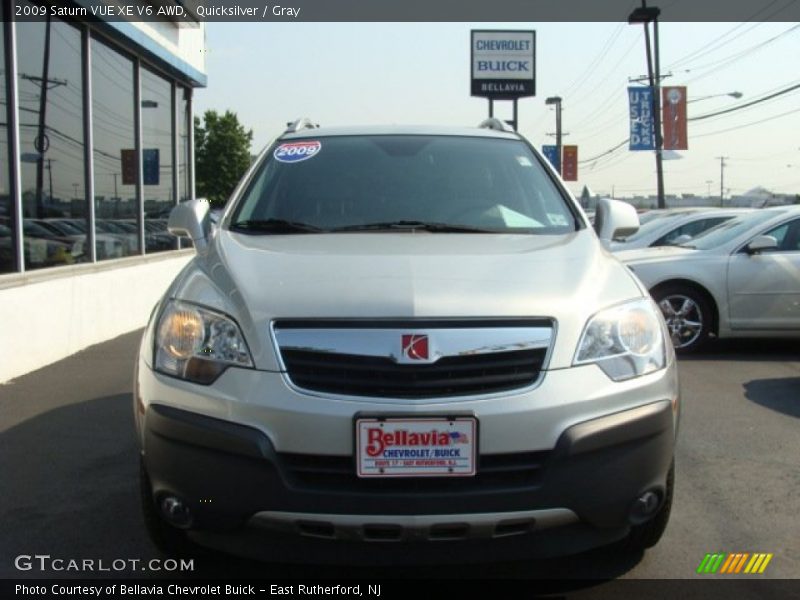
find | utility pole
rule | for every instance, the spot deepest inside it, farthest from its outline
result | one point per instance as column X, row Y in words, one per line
column 708, row 191
column 41, row 143
column 50, row 173
column 556, row 101
column 645, row 15
column 722, row 178
column 42, row 107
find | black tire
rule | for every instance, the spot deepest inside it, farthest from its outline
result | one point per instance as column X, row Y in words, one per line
column 688, row 314
column 647, row 535
column 169, row 540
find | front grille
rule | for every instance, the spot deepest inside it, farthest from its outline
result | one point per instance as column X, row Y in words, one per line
column 495, row 472
column 357, row 375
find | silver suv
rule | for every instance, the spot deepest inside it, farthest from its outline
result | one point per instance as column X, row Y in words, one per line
column 405, row 343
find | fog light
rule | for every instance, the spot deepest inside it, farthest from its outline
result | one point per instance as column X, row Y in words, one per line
column 645, row 506
column 176, row 512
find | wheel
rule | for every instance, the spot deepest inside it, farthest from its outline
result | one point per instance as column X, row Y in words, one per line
column 647, row 535
column 170, row 540
column 688, row 315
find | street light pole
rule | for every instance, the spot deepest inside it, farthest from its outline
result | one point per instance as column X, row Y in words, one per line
column 556, row 100
column 657, row 114
column 722, row 178
column 735, row 95
column 645, row 15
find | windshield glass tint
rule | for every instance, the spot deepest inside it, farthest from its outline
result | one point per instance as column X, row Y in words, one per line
column 483, row 183
column 729, row 230
column 655, row 224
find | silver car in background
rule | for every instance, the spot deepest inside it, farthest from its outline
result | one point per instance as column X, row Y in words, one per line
column 405, row 344
column 667, row 227
column 740, row 279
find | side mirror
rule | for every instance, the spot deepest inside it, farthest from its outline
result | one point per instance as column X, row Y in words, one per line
column 615, row 219
column 191, row 219
column 761, row 243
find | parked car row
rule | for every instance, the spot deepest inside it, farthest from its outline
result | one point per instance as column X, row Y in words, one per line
column 670, row 226
column 738, row 279
column 55, row 241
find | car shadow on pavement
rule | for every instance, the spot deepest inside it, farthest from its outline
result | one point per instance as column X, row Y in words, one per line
column 71, row 492
column 746, row 350
column 70, row 487
column 779, row 394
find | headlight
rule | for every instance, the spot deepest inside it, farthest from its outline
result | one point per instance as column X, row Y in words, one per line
column 198, row 344
column 625, row 341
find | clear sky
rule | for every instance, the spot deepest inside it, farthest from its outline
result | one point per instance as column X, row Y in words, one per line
column 411, row 73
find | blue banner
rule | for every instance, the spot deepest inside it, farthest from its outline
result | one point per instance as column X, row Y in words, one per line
column 643, row 135
column 551, row 154
column 152, row 166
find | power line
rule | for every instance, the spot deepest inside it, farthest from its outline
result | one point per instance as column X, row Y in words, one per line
column 710, row 46
column 745, row 52
column 746, row 104
column 748, row 124
column 715, row 67
column 581, row 79
column 609, row 151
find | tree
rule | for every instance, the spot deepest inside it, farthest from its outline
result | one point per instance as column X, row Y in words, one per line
column 222, row 155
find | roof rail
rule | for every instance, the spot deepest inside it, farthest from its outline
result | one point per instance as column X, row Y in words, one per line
column 496, row 124
column 303, row 123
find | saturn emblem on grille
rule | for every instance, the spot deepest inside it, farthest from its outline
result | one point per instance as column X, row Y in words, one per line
column 414, row 347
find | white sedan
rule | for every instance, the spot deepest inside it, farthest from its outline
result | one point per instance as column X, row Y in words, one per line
column 674, row 226
column 740, row 279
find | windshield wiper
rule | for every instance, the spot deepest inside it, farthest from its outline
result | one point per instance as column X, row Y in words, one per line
column 274, row 226
column 412, row 226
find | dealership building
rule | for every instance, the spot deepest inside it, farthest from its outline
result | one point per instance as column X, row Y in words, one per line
column 96, row 147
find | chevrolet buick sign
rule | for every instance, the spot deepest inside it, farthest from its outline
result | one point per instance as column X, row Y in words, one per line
column 503, row 64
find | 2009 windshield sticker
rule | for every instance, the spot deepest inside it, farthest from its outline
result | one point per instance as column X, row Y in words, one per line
column 293, row 152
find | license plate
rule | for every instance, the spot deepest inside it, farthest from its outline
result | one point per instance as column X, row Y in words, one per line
column 422, row 447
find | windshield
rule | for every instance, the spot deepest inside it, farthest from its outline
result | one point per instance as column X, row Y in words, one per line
column 727, row 231
column 655, row 223
column 441, row 183
column 648, row 216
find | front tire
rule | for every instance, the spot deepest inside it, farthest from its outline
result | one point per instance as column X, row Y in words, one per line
column 688, row 315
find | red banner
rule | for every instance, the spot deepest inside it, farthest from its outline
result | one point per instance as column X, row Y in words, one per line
column 673, row 114
column 569, row 163
column 129, row 167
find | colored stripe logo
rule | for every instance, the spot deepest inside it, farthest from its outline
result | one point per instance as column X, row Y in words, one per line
column 735, row 563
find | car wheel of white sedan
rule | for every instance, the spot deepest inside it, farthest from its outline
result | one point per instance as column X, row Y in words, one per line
column 688, row 316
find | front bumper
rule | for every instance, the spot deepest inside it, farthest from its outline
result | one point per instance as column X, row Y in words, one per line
column 573, row 495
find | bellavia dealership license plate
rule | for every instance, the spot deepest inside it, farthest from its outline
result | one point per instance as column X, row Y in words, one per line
column 409, row 447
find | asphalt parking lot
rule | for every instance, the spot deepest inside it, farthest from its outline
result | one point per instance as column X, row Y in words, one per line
column 68, row 459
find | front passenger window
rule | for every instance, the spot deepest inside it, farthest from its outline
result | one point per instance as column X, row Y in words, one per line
column 787, row 235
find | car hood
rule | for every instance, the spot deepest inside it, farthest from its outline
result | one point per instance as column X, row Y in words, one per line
column 660, row 253
column 259, row 278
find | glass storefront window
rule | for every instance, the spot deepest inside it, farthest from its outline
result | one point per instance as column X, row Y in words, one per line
column 54, row 199
column 158, row 190
column 50, row 90
column 115, row 165
column 8, row 253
